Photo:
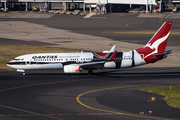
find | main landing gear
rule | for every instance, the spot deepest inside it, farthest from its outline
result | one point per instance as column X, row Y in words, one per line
column 90, row 72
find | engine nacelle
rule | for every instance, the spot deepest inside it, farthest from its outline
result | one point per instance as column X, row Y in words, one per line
column 73, row 68
column 110, row 65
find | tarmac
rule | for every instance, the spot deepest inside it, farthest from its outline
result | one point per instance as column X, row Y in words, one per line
column 168, row 15
column 105, row 95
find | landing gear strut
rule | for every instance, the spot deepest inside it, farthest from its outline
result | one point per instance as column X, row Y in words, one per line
column 90, row 72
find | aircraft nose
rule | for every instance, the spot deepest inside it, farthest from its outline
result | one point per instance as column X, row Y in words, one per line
column 9, row 63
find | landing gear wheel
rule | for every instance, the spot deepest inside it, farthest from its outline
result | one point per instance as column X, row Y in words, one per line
column 90, row 72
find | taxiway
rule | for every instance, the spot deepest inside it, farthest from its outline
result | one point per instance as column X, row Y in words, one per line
column 106, row 95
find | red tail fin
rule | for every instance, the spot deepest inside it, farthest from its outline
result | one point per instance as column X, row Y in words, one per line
column 157, row 44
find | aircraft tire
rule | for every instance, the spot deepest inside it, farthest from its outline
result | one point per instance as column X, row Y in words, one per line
column 90, row 72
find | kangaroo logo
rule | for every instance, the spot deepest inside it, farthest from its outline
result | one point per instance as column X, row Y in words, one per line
column 154, row 46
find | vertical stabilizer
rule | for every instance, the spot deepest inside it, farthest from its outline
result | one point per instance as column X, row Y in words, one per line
column 157, row 43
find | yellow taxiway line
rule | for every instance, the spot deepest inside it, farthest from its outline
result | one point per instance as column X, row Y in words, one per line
column 29, row 112
column 120, row 113
column 173, row 32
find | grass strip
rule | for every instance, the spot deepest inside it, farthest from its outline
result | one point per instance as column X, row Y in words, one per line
column 172, row 97
column 9, row 52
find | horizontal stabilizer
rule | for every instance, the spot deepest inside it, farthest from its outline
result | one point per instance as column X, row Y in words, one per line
column 163, row 55
column 168, row 51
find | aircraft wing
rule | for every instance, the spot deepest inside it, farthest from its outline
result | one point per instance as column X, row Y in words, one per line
column 96, row 65
column 92, row 65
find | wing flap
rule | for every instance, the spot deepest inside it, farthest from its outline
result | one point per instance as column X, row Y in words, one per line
column 92, row 65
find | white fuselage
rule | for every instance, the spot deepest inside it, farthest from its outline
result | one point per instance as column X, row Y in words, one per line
column 59, row 60
column 48, row 60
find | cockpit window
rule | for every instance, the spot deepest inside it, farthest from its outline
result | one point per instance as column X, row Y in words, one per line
column 18, row 59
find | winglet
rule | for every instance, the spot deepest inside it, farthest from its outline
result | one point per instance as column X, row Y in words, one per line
column 113, row 56
column 111, row 50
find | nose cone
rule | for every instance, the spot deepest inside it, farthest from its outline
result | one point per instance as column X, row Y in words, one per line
column 9, row 64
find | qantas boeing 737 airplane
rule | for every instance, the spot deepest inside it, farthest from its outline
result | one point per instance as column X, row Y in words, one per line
column 153, row 51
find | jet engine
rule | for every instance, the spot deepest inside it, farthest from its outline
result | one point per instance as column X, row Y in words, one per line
column 73, row 68
column 110, row 65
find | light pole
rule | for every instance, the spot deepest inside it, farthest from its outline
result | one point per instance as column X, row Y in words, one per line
column 26, row 6
column 64, row 5
column 160, row 6
column 147, row 7
column 5, row 6
column 150, row 7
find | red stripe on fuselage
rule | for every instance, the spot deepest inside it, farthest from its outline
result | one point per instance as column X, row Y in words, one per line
column 113, row 56
column 100, row 54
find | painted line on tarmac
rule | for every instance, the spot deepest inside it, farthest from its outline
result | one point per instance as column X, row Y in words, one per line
column 120, row 87
column 90, row 42
column 29, row 112
column 23, row 86
column 6, row 14
column 146, row 75
column 154, row 71
column 69, row 114
column 82, row 41
column 98, row 17
column 163, row 17
column 131, row 32
column 173, row 32
column 117, row 25
column 164, row 70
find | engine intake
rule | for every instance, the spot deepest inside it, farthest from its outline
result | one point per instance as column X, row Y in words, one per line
column 110, row 65
column 73, row 68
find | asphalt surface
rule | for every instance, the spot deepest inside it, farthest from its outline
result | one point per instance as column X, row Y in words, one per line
column 106, row 95
column 109, row 95
column 4, row 41
column 106, row 27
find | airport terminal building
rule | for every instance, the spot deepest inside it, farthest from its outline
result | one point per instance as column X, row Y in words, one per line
column 109, row 5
